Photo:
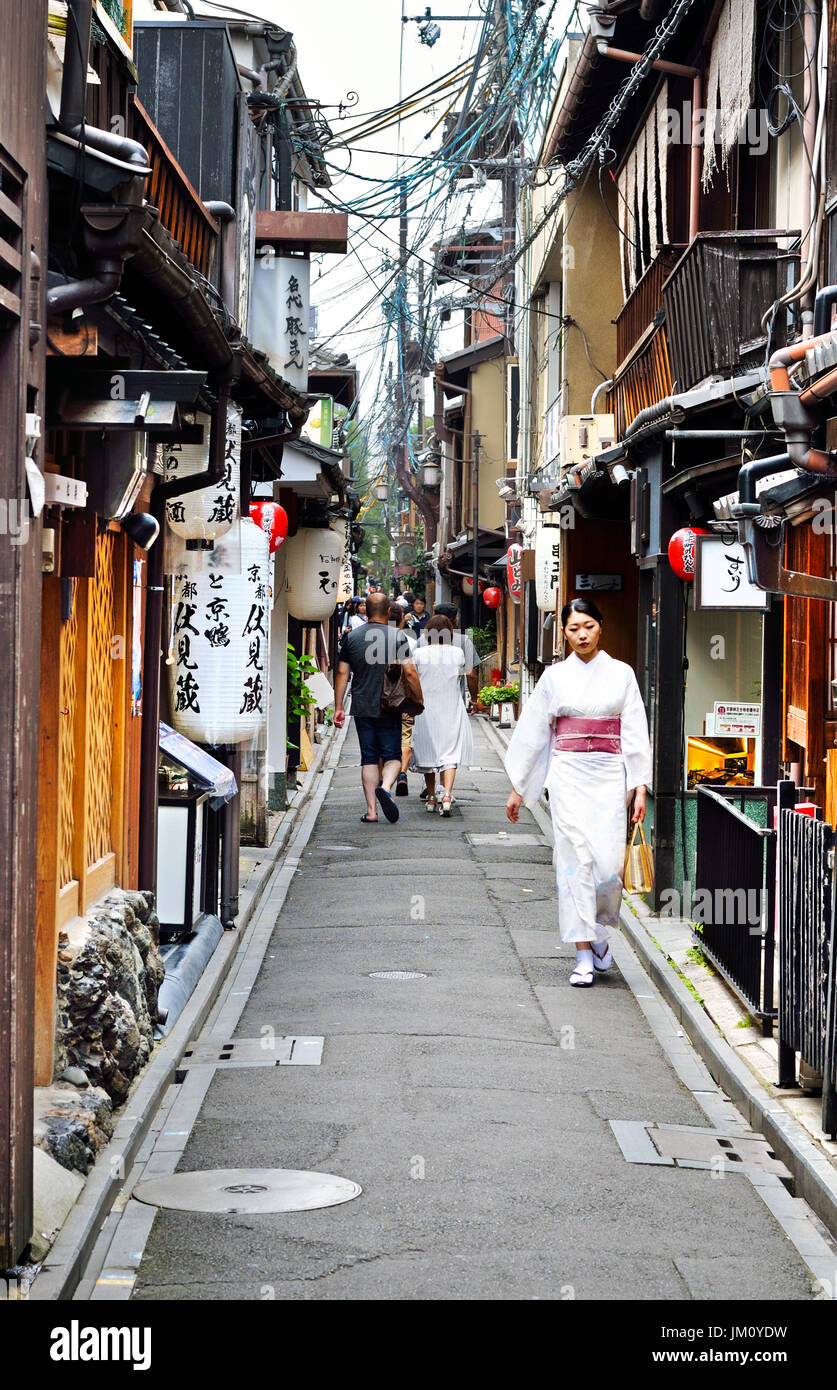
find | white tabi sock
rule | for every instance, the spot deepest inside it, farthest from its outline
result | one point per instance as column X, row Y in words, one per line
column 584, row 959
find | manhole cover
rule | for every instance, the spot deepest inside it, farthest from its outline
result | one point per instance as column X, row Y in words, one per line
column 247, row 1190
column 397, row 975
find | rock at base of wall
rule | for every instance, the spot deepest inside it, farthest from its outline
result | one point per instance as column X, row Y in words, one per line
column 108, row 980
column 54, row 1194
column 72, row 1125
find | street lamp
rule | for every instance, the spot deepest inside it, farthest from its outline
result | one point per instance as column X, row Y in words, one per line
column 432, row 475
column 382, row 492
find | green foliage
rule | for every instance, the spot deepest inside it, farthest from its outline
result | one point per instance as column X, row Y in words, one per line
column 499, row 694
column 484, row 640
column 300, row 699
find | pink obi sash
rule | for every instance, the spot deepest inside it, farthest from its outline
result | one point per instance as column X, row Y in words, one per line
column 572, row 735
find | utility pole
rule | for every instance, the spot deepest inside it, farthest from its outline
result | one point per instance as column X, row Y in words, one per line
column 402, row 467
column 476, row 440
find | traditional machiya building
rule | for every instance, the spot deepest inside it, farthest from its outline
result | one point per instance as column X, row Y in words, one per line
column 656, row 293
column 475, row 423
column 150, row 399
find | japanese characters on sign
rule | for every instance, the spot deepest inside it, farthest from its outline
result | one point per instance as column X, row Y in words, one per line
column 603, row 583
column 737, row 720
column 514, row 562
column 209, row 512
column 280, row 315
column 219, row 643
column 721, row 579
column 547, row 566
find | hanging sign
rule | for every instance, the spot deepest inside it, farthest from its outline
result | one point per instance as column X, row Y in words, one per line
column 514, row 562
column 279, row 316
column 220, row 636
column 209, row 512
column 547, row 567
column 737, row 720
column 603, row 583
column 721, row 576
column 345, row 586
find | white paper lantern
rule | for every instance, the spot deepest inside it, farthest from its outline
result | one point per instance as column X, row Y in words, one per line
column 312, row 568
column 220, row 639
column 211, row 511
column 547, row 567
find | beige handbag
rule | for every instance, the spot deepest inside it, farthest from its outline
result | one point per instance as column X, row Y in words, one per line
column 638, row 874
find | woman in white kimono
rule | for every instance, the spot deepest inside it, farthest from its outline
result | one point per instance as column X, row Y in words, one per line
column 583, row 734
column 442, row 737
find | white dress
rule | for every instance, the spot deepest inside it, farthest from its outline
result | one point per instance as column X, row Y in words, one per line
column 587, row 791
column 442, row 734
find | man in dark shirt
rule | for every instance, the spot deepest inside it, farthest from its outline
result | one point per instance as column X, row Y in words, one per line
column 418, row 618
column 364, row 655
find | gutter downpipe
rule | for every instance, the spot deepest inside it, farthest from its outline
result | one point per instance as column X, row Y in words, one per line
column 74, row 91
column 149, row 750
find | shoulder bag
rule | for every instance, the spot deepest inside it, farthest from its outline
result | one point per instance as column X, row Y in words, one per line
column 401, row 692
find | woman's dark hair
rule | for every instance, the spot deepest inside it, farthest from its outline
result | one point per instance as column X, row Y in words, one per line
column 581, row 605
column 439, row 623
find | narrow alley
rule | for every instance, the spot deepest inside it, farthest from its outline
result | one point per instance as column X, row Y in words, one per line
column 463, row 1085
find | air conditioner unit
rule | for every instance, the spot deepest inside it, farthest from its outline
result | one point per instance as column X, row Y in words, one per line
column 581, row 437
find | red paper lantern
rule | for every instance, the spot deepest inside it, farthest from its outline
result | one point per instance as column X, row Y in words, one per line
column 682, row 551
column 492, row 598
column 514, row 563
column 273, row 520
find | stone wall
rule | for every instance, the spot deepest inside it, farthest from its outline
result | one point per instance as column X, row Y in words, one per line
column 108, row 978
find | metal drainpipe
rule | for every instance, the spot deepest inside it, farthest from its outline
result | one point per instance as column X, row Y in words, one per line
column 809, row 130
column 149, row 749
column 74, row 91
column 227, row 277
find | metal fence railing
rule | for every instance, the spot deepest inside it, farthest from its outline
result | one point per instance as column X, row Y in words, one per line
column 807, row 1016
column 734, row 903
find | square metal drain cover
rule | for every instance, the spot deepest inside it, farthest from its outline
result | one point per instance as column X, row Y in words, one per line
column 692, row 1146
column 502, row 837
column 267, row 1051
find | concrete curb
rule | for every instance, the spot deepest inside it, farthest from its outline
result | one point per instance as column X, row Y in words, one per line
column 813, row 1173
column 61, row 1271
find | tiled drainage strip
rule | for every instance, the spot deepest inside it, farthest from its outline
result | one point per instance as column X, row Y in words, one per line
column 246, row 1191
column 397, row 975
column 266, row 1051
column 690, row 1146
column 502, row 837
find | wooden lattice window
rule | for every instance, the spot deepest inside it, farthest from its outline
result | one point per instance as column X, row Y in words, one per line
column 12, row 181
column 67, row 713
column 100, row 710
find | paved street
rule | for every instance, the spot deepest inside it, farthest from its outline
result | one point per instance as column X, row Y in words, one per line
column 472, row 1105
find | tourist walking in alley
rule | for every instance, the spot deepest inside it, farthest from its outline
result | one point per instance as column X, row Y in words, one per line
column 397, row 619
column 364, row 656
column 583, row 734
column 442, row 738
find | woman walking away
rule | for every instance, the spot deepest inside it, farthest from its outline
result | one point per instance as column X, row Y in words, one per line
column 442, row 736
column 583, row 734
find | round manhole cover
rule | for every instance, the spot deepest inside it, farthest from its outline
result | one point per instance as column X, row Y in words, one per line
column 247, row 1190
column 397, row 975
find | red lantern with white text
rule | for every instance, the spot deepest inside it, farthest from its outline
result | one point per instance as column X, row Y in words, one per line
column 492, row 598
column 682, row 551
column 273, row 520
column 514, row 563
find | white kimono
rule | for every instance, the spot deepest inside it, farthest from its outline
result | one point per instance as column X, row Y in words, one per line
column 587, row 791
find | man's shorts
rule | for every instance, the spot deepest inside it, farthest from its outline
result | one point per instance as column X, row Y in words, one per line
column 379, row 738
column 407, row 721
